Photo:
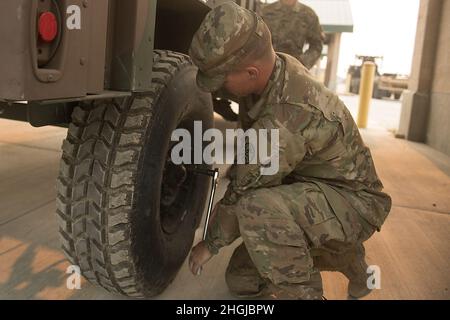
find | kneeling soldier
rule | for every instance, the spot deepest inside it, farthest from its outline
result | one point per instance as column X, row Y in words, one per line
column 326, row 198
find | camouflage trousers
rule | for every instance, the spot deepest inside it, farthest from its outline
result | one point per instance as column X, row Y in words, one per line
column 290, row 234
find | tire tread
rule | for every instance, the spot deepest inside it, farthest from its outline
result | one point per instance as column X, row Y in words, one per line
column 96, row 181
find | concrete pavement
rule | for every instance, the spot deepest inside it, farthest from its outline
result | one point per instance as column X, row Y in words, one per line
column 412, row 250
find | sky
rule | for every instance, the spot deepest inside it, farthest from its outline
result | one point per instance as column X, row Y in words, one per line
column 381, row 28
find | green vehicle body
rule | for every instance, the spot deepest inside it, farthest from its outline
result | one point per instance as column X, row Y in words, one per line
column 109, row 56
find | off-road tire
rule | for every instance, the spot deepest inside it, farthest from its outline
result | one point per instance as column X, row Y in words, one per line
column 109, row 184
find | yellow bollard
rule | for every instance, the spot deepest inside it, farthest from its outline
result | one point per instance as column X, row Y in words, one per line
column 365, row 93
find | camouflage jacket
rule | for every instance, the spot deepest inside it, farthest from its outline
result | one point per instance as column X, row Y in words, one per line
column 292, row 28
column 319, row 142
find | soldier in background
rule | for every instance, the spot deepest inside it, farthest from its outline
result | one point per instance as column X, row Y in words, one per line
column 252, row 5
column 326, row 198
column 293, row 25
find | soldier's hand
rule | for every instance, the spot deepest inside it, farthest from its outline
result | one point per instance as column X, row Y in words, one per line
column 200, row 255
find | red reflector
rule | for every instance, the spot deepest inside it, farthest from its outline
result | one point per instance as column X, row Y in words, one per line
column 48, row 26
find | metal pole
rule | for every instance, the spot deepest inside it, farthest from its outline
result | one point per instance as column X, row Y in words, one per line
column 210, row 202
column 365, row 93
column 215, row 176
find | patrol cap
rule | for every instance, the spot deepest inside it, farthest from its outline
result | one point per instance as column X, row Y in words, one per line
column 226, row 36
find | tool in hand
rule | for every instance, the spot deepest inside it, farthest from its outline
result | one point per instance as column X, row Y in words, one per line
column 214, row 174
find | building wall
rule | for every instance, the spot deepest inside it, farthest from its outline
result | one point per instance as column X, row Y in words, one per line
column 438, row 128
column 426, row 104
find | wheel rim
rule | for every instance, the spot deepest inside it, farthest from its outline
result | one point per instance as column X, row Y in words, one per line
column 175, row 190
column 177, row 186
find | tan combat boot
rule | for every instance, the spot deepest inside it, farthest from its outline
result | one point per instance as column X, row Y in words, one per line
column 352, row 264
column 309, row 290
column 356, row 273
column 242, row 277
column 244, row 281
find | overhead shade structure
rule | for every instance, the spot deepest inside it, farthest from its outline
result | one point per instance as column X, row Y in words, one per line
column 335, row 15
column 336, row 18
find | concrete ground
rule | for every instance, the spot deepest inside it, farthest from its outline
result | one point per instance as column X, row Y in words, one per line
column 412, row 250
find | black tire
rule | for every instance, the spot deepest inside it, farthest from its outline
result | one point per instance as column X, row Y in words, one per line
column 397, row 96
column 116, row 222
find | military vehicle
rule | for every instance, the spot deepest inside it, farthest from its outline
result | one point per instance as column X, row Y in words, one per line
column 116, row 74
column 385, row 85
column 393, row 84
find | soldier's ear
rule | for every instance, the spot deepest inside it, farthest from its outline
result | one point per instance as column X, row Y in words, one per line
column 253, row 72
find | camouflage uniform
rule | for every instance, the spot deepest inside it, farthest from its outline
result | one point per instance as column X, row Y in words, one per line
column 292, row 28
column 326, row 198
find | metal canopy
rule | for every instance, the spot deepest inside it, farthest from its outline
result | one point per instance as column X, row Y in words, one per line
column 335, row 15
